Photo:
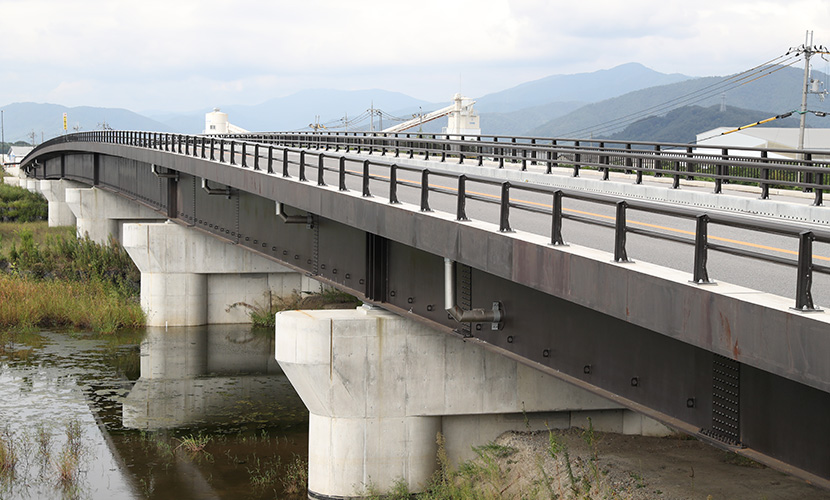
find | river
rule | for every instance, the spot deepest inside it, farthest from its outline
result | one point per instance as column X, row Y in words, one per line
column 184, row 413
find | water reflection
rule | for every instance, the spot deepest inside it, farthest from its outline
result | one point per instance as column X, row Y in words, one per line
column 141, row 400
column 207, row 376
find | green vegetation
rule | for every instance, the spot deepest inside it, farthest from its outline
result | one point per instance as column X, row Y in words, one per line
column 264, row 315
column 20, row 205
column 50, row 278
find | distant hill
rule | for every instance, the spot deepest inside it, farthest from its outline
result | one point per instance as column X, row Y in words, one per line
column 21, row 119
column 581, row 87
column 775, row 94
column 683, row 124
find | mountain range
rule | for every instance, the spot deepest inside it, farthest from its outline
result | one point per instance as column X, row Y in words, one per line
column 597, row 104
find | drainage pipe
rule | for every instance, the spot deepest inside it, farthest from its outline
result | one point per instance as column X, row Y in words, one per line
column 494, row 316
column 293, row 219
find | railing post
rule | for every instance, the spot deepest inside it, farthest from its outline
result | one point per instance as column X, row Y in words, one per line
column 461, row 205
column 500, row 152
column 533, row 152
column 638, row 178
column 629, row 162
column 302, row 166
column 620, row 254
column 425, row 191
column 675, row 183
column 480, row 151
column 604, row 160
column 366, row 192
column 700, row 275
column 556, row 219
column 222, row 150
column 285, row 163
column 342, row 174
column 393, row 184
column 806, row 177
column 504, row 213
column 804, row 282
column 233, row 152
column 577, row 160
column 320, row 169
column 719, row 170
column 270, row 159
column 212, row 149
column 764, row 176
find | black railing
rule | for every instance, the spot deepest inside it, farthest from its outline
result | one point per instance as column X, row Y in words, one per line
column 263, row 155
column 762, row 167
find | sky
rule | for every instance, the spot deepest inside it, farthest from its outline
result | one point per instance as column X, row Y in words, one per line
column 185, row 55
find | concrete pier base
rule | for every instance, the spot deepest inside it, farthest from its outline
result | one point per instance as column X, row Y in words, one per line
column 190, row 278
column 380, row 388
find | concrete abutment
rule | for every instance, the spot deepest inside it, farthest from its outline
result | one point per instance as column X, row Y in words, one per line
column 380, row 387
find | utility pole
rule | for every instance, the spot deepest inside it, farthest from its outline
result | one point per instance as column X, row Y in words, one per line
column 808, row 49
column 3, row 133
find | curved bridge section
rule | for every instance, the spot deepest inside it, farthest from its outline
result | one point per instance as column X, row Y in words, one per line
column 745, row 370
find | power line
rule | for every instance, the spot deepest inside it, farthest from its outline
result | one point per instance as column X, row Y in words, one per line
column 728, row 83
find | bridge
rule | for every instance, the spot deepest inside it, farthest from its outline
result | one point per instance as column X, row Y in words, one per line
column 485, row 239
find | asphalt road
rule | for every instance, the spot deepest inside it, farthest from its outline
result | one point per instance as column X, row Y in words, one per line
column 722, row 267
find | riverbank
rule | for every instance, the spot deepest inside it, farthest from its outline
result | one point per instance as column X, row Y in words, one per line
column 51, row 279
column 574, row 463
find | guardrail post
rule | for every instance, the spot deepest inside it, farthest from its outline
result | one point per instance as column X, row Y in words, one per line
column 638, row 179
column 629, row 162
column 804, row 282
column 425, row 191
column 270, row 159
column 342, row 174
column 504, row 213
column 480, row 151
column 691, row 167
column 577, row 159
column 461, row 205
column 187, row 146
column 500, row 152
column 302, row 166
column 244, row 155
column 233, row 152
column 764, row 176
column 719, row 172
column 620, row 254
column 524, row 159
column 658, row 164
column 443, row 151
column 222, row 150
column 675, row 183
column 366, row 192
column 321, row 168
column 604, row 160
column 806, row 177
column 212, row 149
column 556, row 219
column 700, row 275
column 819, row 191
column 393, row 185
column 285, row 163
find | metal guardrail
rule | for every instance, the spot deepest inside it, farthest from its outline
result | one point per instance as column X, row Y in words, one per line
column 804, row 170
column 275, row 160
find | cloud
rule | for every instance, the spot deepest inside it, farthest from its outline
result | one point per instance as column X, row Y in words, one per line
column 190, row 54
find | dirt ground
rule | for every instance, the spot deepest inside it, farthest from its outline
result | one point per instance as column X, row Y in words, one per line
column 636, row 467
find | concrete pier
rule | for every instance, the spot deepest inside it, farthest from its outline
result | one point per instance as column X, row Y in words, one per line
column 380, row 387
column 60, row 213
column 101, row 214
column 190, row 278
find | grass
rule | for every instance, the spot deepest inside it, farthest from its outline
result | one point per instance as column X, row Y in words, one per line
column 20, row 205
column 265, row 316
column 53, row 279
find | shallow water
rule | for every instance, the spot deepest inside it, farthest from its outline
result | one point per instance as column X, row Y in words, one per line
column 184, row 413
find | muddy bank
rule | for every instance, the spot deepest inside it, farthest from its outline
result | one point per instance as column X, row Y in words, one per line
column 577, row 464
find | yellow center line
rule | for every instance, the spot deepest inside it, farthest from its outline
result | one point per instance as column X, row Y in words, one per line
column 600, row 216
